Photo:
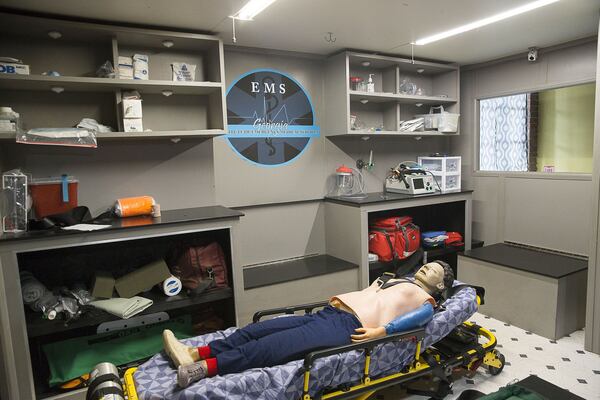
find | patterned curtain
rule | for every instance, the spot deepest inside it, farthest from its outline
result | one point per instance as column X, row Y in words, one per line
column 503, row 134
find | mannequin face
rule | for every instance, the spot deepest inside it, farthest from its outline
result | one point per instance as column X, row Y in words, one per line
column 431, row 277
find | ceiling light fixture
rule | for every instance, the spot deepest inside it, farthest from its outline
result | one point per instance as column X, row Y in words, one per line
column 485, row 21
column 168, row 43
column 251, row 9
column 365, row 63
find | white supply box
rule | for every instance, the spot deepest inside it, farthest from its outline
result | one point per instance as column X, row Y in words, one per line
column 125, row 67
column 140, row 67
column 447, row 171
column 133, row 125
column 13, row 68
column 132, row 108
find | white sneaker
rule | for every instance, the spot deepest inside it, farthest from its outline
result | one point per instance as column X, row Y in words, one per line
column 178, row 352
column 187, row 374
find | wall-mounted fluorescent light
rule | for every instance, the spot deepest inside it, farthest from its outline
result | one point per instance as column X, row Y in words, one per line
column 486, row 21
column 252, row 8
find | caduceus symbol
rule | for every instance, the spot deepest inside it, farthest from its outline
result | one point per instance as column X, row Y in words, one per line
column 271, row 103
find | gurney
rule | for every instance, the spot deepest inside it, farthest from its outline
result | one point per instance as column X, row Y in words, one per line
column 337, row 373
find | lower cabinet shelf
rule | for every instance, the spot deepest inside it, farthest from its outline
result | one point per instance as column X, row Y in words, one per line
column 36, row 326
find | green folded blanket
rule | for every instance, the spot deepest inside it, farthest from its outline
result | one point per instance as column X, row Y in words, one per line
column 69, row 359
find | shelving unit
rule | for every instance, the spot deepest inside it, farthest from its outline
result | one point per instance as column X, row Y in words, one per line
column 382, row 111
column 82, row 49
column 63, row 258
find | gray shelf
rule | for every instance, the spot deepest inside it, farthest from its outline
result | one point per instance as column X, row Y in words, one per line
column 207, row 134
column 395, row 133
column 85, row 84
column 290, row 270
column 386, row 107
column 37, row 326
column 114, row 136
column 404, row 64
column 399, row 98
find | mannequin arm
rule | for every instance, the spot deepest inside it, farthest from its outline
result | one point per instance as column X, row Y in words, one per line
column 411, row 320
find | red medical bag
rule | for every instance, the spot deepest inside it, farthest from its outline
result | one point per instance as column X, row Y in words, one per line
column 454, row 239
column 202, row 267
column 394, row 238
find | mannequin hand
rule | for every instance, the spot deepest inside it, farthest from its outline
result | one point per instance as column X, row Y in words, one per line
column 368, row 333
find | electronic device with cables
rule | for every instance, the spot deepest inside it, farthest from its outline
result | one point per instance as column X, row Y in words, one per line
column 410, row 178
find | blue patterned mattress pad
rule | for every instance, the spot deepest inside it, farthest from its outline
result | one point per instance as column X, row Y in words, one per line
column 156, row 379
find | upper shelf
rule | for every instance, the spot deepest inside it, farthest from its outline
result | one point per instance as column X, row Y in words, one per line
column 85, row 84
column 404, row 64
column 399, row 98
column 116, row 136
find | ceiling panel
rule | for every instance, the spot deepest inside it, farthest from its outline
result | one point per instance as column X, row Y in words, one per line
column 386, row 26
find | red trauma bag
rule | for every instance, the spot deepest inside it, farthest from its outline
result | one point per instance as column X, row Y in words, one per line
column 202, row 267
column 454, row 239
column 394, row 238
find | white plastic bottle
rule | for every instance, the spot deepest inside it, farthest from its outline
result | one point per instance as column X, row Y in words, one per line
column 370, row 84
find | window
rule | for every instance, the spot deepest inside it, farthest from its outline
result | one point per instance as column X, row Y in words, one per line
column 548, row 131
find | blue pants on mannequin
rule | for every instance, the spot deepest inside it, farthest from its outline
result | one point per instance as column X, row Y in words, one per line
column 277, row 341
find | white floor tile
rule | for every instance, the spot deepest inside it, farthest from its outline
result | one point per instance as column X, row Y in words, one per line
column 563, row 362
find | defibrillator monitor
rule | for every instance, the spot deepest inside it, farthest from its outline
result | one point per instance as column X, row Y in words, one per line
column 418, row 183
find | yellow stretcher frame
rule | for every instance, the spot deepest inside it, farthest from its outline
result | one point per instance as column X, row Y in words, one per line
column 484, row 354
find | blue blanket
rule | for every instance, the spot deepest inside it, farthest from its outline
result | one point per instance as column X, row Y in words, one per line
column 156, row 379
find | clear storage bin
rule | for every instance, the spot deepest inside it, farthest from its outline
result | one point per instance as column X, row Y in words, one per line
column 447, row 171
column 443, row 121
column 14, row 201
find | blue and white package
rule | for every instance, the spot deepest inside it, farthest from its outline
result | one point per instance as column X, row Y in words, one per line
column 171, row 286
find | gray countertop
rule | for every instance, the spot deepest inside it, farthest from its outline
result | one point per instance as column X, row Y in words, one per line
column 530, row 260
column 197, row 214
column 379, row 197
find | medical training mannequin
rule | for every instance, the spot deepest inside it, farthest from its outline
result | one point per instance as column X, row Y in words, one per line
column 381, row 309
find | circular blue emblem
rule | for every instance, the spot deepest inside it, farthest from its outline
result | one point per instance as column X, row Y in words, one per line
column 270, row 118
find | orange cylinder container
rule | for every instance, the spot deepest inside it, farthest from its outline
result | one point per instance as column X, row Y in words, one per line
column 132, row 206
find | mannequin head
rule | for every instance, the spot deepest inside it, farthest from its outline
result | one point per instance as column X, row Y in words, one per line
column 433, row 277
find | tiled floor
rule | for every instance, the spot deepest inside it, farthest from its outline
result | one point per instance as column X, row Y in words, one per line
column 562, row 362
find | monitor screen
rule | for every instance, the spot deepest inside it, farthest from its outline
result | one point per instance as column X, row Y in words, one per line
column 418, row 183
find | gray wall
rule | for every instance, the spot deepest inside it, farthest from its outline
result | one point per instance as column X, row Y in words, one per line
column 192, row 174
column 592, row 332
column 549, row 211
column 277, row 230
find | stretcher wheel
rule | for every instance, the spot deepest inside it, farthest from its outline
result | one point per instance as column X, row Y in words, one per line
column 495, row 370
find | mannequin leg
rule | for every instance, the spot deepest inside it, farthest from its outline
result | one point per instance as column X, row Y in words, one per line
column 328, row 328
column 181, row 354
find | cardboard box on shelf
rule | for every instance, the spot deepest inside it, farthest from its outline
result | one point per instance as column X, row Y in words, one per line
column 142, row 278
column 104, row 285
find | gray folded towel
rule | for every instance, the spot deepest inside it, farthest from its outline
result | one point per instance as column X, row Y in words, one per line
column 123, row 308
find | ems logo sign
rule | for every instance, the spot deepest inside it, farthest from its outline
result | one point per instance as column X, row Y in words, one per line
column 270, row 117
